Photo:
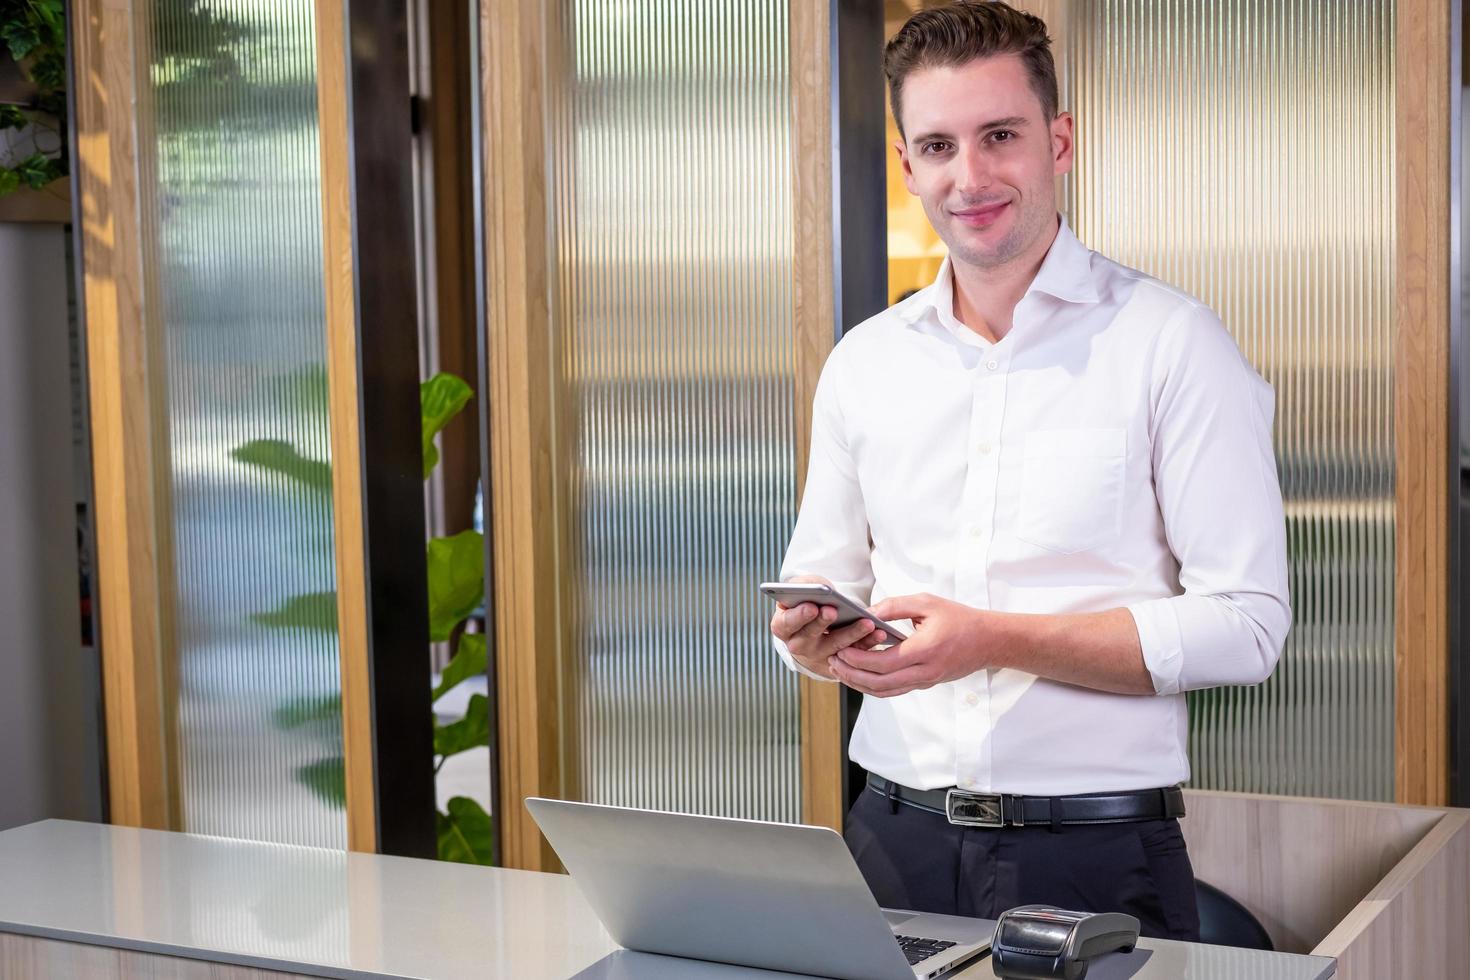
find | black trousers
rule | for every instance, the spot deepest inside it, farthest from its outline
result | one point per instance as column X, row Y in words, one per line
column 917, row 860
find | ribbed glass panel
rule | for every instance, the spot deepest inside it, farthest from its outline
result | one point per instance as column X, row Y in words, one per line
column 672, row 310
column 231, row 209
column 1243, row 150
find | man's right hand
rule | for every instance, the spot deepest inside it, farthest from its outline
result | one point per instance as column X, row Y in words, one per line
column 803, row 628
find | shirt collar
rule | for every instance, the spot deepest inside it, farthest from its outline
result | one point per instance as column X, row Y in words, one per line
column 1065, row 273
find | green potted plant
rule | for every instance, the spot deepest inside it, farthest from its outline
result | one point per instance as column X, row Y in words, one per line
column 33, row 143
column 456, row 586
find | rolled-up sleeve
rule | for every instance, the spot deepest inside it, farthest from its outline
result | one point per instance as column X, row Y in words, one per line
column 1218, row 493
column 831, row 534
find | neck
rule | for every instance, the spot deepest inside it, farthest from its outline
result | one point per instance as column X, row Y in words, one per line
column 985, row 298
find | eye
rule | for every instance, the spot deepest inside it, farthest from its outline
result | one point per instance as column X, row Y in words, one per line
column 933, row 147
column 1003, row 136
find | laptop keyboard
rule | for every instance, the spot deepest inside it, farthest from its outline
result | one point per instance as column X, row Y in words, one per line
column 918, row 949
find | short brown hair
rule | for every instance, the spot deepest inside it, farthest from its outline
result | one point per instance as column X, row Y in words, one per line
column 961, row 32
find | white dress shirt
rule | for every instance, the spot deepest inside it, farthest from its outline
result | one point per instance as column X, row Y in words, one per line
column 1112, row 450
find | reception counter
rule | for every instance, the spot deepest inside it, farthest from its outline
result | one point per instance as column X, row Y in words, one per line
column 90, row 900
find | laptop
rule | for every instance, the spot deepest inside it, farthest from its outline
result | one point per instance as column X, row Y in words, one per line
column 769, row 895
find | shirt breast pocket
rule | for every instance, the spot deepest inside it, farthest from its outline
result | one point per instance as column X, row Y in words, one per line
column 1072, row 488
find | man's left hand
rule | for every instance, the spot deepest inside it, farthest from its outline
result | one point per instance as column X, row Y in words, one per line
column 950, row 640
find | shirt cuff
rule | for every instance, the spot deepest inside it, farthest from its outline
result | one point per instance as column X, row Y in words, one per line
column 1162, row 642
column 793, row 664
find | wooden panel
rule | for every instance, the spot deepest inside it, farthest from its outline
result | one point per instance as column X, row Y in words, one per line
column 347, row 515
column 566, row 412
column 812, row 289
column 153, row 330
column 50, row 204
column 27, row 957
column 528, row 525
column 1421, row 394
column 1299, row 865
column 521, row 506
column 122, row 464
column 1416, row 923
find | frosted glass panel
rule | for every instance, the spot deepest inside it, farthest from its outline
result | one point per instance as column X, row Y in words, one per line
column 233, row 271
column 1243, row 150
column 673, row 316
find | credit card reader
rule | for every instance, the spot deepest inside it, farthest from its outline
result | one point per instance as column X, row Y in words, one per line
column 1038, row 942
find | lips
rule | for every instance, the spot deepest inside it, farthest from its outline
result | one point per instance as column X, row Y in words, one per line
column 979, row 217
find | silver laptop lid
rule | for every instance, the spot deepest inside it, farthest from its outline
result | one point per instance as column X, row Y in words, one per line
column 775, row 896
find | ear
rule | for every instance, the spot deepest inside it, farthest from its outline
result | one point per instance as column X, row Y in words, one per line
column 902, row 150
column 1062, row 145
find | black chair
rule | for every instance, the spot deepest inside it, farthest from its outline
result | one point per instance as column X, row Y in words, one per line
column 1225, row 922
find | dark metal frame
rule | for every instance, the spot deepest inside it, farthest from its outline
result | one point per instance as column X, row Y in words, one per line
column 859, row 175
column 388, row 413
column 477, row 197
column 89, row 543
column 859, row 213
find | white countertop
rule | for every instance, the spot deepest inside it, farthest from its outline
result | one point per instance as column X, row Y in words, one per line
column 336, row 914
column 302, row 909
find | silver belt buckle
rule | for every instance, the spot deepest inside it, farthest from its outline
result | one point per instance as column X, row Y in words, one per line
column 965, row 809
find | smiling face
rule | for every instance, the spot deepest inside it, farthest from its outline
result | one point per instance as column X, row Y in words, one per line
column 981, row 156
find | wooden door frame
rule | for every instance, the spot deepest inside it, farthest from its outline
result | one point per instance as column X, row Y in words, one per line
column 349, row 545
column 521, row 518
column 129, row 634
column 377, row 489
column 1425, row 459
column 814, row 291
column 525, row 552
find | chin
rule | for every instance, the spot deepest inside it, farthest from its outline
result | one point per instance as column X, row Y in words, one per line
column 1001, row 253
column 992, row 247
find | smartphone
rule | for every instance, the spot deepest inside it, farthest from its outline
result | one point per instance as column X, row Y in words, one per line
column 849, row 610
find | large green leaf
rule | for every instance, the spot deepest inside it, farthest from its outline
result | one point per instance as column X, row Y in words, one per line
column 50, row 12
column 21, row 38
column 324, row 708
column 47, row 69
column 469, row 660
column 38, row 170
column 441, row 398
column 314, row 611
column 327, row 778
column 471, row 731
column 465, row 832
column 456, row 581
column 280, row 457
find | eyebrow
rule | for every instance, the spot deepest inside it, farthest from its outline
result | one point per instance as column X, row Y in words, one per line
column 1009, row 122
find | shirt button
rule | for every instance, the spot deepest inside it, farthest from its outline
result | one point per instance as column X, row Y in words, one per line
column 992, row 365
column 984, row 448
column 975, row 532
column 972, row 699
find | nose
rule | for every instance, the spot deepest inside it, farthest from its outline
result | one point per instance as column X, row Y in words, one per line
column 973, row 173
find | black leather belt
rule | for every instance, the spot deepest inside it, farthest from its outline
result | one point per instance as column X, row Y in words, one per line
column 969, row 809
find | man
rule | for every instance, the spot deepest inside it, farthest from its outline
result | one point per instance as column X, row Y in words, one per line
column 1059, row 470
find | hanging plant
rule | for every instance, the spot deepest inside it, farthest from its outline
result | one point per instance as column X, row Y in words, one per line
column 33, row 150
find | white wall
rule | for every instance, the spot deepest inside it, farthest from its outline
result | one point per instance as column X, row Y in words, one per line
column 49, row 702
